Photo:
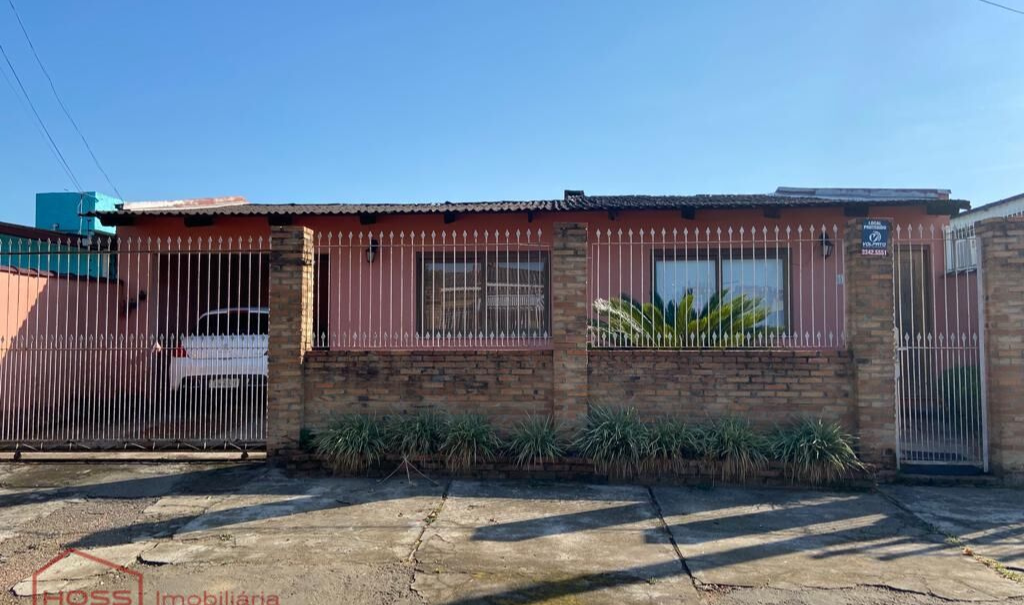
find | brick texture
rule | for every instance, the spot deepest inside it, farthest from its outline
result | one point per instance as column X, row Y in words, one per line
column 1002, row 263
column 505, row 386
column 768, row 387
column 291, row 330
column 569, row 303
column 870, row 334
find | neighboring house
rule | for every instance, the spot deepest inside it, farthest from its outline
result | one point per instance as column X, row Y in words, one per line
column 1011, row 206
column 962, row 252
column 64, row 228
column 71, row 212
column 46, row 251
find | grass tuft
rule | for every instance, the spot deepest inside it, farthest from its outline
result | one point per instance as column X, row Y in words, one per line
column 417, row 435
column 352, row 443
column 615, row 439
column 738, row 450
column 671, row 443
column 815, row 451
column 534, row 440
column 471, row 438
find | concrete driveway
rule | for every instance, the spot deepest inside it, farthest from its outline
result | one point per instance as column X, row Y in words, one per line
column 247, row 529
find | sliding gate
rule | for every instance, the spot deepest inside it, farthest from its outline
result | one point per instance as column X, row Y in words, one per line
column 940, row 391
column 133, row 343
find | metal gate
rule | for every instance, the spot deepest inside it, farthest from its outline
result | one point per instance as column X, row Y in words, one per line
column 940, row 373
column 133, row 343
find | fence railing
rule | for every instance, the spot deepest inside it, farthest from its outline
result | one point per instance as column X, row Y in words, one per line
column 449, row 289
column 131, row 342
column 711, row 287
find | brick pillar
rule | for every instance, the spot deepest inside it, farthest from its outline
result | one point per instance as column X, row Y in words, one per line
column 1001, row 242
column 291, row 332
column 870, row 332
column 569, row 321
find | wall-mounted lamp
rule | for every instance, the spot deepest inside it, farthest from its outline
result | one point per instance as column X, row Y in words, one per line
column 827, row 247
column 371, row 252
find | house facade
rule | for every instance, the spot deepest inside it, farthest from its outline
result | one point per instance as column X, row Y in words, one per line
column 764, row 306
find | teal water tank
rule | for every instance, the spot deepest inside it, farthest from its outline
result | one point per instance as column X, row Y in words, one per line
column 62, row 211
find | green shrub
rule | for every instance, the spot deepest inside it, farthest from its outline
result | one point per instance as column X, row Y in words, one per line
column 534, row 440
column 416, row 435
column 351, row 443
column 815, row 451
column 471, row 438
column 735, row 447
column 671, row 442
column 615, row 439
column 960, row 389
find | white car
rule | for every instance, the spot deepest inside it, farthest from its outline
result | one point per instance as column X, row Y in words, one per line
column 227, row 351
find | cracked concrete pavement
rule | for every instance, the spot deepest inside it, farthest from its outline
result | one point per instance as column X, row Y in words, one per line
column 246, row 527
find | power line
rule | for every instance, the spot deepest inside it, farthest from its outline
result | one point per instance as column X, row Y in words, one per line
column 1003, row 6
column 61, row 160
column 61, row 102
column 25, row 108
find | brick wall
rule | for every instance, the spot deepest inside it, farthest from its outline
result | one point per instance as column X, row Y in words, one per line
column 504, row 385
column 768, row 387
column 1002, row 276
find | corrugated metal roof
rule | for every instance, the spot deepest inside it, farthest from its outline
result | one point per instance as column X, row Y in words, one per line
column 571, row 203
column 1013, row 200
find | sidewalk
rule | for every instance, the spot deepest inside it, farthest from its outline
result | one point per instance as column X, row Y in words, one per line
column 190, row 528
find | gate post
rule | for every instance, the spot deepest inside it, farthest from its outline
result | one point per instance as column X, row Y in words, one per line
column 569, row 322
column 290, row 334
column 1001, row 272
column 870, row 333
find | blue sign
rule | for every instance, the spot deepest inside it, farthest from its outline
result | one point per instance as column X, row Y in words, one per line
column 874, row 238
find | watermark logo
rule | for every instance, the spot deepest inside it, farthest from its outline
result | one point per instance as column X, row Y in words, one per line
column 41, row 595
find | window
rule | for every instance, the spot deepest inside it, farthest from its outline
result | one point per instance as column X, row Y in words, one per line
column 233, row 323
column 961, row 252
column 729, row 274
column 483, row 293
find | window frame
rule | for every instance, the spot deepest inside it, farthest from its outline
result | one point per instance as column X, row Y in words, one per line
column 720, row 254
column 488, row 260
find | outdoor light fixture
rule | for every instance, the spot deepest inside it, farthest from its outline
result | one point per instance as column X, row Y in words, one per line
column 371, row 252
column 826, row 245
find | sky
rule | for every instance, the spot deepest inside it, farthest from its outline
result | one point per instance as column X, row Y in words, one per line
column 466, row 101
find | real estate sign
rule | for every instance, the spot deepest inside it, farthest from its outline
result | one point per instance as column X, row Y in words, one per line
column 874, row 238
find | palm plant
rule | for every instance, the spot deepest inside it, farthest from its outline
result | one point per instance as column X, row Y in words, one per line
column 724, row 321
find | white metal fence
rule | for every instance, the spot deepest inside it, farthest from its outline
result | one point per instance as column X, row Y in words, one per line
column 133, row 343
column 941, row 411
column 450, row 289
column 740, row 286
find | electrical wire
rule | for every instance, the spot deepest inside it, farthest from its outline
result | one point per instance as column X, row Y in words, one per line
column 25, row 108
column 1003, row 6
column 60, row 101
column 60, row 156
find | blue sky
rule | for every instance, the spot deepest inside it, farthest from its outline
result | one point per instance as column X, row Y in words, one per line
column 433, row 101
